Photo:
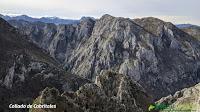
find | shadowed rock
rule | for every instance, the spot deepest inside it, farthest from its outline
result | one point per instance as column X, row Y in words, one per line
column 111, row 93
column 25, row 69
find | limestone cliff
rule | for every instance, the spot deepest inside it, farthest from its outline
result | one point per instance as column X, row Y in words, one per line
column 158, row 55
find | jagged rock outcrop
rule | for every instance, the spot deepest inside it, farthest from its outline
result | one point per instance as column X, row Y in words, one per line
column 111, row 93
column 161, row 57
column 59, row 40
column 111, row 45
column 187, row 99
column 25, row 69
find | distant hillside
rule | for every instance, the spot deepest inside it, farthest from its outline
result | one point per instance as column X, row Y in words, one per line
column 54, row 20
column 184, row 25
column 193, row 30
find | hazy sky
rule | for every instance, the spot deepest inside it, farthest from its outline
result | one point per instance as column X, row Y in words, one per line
column 176, row 11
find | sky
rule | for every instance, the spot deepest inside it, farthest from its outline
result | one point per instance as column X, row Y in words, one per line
column 175, row 11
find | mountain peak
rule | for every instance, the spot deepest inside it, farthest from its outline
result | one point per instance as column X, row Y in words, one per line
column 152, row 19
column 23, row 16
column 106, row 16
column 87, row 19
column 154, row 25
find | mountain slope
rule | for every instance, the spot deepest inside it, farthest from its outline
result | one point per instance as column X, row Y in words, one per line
column 28, row 70
column 111, row 93
column 162, row 58
column 58, row 40
column 25, row 70
column 157, row 54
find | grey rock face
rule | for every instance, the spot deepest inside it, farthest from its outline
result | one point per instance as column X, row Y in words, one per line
column 59, row 40
column 112, row 44
column 111, row 93
column 158, row 55
column 25, row 70
column 8, row 81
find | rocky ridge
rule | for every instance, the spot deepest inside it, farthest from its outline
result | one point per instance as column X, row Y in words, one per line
column 111, row 93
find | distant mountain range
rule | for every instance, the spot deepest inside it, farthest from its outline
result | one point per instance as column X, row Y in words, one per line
column 54, row 20
column 57, row 20
column 185, row 25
